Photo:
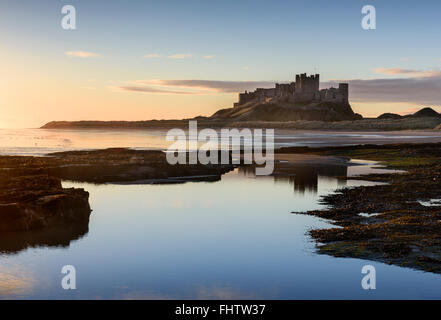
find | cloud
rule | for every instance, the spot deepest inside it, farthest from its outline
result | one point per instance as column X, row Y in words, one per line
column 81, row 54
column 209, row 57
column 195, row 86
column 145, row 89
column 180, row 56
column 411, row 72
column 424, row 88
column 152, row 55
column 211, row 85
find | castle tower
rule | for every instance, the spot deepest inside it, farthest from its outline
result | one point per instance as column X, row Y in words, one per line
column 298, row 84
column 305, row 84
column 317, row 82
column 344, row 90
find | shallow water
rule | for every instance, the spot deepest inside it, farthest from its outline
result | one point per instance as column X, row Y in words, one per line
column 235, row 238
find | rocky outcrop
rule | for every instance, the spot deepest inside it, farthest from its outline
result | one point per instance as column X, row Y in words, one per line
column 114, row 165
column 120, row 165
column 36, row 201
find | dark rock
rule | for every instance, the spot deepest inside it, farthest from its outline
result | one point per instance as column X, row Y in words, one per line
column 400, row 229
column 120, row 165
column 32, row 202
column 389, row 116
column 426, row 112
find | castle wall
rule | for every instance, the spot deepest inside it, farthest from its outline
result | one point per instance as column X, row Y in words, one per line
column 344, row 89
column 339, row 95
column 304, row 89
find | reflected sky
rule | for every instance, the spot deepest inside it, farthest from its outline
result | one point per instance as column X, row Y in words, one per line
column 235, row 238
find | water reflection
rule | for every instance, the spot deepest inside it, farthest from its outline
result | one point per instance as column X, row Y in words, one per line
column 198, row 293
column 57, row 236
column 15, row 282
column 235, row 238
column 304, row 179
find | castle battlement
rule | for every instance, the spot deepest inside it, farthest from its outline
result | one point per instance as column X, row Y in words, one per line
column 304, row 89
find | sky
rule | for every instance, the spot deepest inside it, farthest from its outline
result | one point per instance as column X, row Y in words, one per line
column 140, row 60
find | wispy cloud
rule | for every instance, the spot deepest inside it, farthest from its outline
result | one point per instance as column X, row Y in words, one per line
column 145, row 89
column 410, row 72
column 209, row 57
column 194, row 86
column 180, row 56
column 81, row 54
column 419, row 87
column 152, row 55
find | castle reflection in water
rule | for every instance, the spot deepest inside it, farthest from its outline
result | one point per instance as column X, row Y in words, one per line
column 303, row 178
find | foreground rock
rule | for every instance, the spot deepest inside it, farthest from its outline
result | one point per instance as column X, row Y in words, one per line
column 115, row 165
column 397, row 223
column 120, row 165
column 36, row 201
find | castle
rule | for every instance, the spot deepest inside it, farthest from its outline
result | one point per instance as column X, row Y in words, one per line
column 304, row 90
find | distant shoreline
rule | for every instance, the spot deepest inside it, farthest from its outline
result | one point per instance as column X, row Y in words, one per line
column 367, row 124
